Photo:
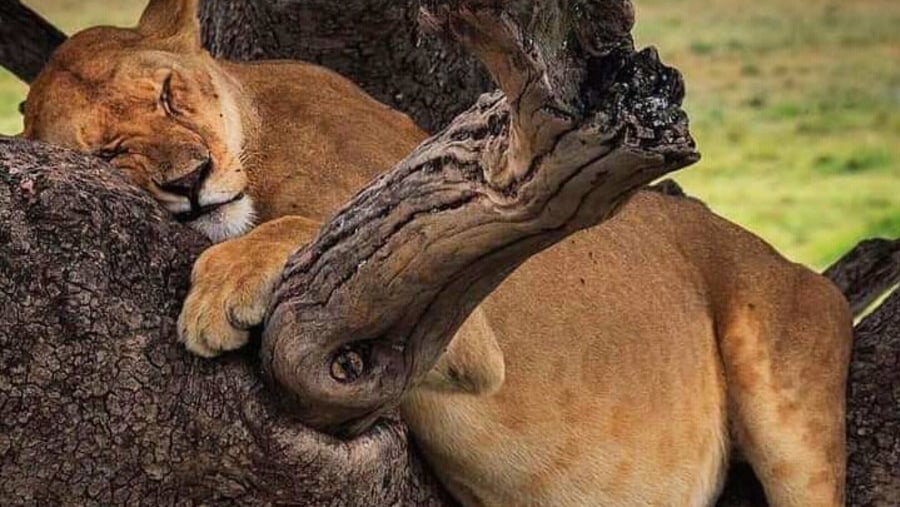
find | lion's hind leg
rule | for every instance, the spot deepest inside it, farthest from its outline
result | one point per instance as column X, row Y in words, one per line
column 785, row 359
column 473, row 362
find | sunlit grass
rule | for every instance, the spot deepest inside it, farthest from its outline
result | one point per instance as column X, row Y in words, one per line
column 73, row 15
column 796, row 109
column 69, row 16
column 795, row 106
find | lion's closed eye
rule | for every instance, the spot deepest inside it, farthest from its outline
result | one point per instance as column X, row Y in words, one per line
column 112, row 150
column 166, row 100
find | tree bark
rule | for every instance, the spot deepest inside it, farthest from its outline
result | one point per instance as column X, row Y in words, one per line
column 867, row 272
column 26, row 40
column 98, row 409
column 583, row 122
column 873, row 397
column 873, row 411
column 100, row 405
column 375, row 43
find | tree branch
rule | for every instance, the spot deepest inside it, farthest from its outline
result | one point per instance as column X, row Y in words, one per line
column 100, row 404
column 873, row 410
column 867, row 272
column 26, row 40
column 375, row 43
column 392, row 276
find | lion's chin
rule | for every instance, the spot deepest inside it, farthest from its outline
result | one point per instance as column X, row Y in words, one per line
column 228, row 221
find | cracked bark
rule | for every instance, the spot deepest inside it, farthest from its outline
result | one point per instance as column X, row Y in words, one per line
column 99, row 405
column 100, row 409
column 873, row 405
column 873, row 409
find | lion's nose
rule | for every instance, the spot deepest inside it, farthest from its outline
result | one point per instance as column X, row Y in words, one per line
column 189, row 184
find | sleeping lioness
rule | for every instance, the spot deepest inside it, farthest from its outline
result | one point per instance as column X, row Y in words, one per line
column 624, row 366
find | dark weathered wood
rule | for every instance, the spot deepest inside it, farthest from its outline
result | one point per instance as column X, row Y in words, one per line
column 99, row 403
column 367, row 308
column 376, row 43
column 26, row 40
column 865, row 273
column 873, row 409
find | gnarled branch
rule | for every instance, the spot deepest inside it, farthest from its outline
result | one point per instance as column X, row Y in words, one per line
column 100, row 404
column 583, row 120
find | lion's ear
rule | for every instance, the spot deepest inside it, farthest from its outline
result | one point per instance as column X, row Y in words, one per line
column 176, row 21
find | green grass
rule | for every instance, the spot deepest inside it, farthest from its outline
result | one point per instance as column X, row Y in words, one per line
column 73, row 15
column 796, row 110
column 69, row 16
column 795, row 107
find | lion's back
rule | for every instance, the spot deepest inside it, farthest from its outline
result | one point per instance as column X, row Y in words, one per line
column 321, row 137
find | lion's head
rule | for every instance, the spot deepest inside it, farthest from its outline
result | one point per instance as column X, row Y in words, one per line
column 154, row 104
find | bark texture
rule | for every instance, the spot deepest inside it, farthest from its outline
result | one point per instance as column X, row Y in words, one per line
column 873, row 409
column 98, row 409
column 584, row 120
column 873, row 405
column 865, row 273
column 26, row 40
column 375, row 43
column 98, row 403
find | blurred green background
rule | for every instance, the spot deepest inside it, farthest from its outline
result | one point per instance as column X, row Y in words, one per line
column 795, row 106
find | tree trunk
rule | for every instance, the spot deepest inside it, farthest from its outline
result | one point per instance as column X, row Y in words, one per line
column 97, row 408
column 873, row 396
column 101, row 405
column 873, row 409
column 26, row 40
column 375, row 43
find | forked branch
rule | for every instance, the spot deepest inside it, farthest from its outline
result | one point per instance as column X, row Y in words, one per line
column 583, row 120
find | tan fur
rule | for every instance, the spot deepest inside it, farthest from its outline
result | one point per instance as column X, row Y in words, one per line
column 620, row 367
column 296, row 138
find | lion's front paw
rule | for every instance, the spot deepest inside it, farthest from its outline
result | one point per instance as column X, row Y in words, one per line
column 230, row 291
